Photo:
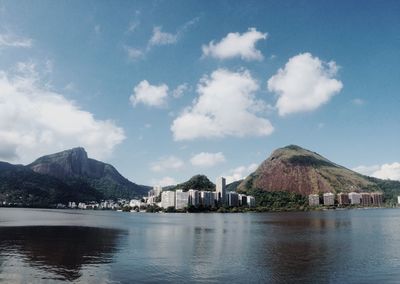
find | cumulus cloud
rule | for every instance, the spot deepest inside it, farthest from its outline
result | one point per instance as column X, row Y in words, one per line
column 304, row 84
column 385, row 171
column 10, row 40
column 236, row 45
column 205, row 159
column 167, row 163
column 35, row 120
column 165, row 181
column 162, row 38
column 150, row 95
column 180, row 90
column 240, row 173
column 226, row 106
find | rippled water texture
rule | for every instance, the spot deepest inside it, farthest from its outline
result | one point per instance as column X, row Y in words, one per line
column 350, row 246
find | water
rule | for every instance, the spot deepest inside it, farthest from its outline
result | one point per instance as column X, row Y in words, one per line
column 350, row 246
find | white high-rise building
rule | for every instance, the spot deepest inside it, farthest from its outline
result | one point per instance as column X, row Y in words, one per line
column 232, row 199
column 167, row 199
column 251, row 201
column 181, row 199
column 355, row 198
column 206, row 198
column 329, row 198
column 220, row 189
column 194, row 197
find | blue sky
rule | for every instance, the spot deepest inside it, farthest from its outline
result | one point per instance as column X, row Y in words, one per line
column 164, row 90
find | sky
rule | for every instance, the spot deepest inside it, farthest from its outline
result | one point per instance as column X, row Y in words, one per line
column 164, row 90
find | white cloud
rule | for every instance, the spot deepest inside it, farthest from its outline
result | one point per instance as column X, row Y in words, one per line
column 205, row 159
column 134, row 53
column 304, row 84
column 167, row 163
column 236, row 45
column 151, row 95
column 180, row 90
column 240, row 173
column 385, row 171
column 162, row 38
column 226, row 106
column 388, row 171
column 165, row 181
column 35, row 120
column 10, row 40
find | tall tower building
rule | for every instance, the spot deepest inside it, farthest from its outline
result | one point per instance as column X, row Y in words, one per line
column 220, row 189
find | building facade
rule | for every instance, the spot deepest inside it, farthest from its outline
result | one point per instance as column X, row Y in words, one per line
column 329, row 199
column 251, row 201
column 377, row 198
column 167, row 199
column 194, row 197
column 220, row 189
column 313, row 200
column 206, row 198
column 343, row 199
column 365, row 199
column 181, row 199
column 355, row 198
column 232, row 199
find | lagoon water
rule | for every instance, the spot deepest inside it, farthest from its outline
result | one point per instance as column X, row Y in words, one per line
column 349, row 246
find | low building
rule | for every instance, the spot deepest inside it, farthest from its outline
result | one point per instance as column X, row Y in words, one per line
column 232, row 199
column 251, row 201
column 135, row 203
column 313, row 200
column 181, row 199
column 355, row 198
column 365, row 199
column 377, row 198
column 167, row 199
column 329, row 199
column 343, row 199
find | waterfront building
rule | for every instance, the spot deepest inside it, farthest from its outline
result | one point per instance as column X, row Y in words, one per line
column 134, row 203
column 194, row 197
column 343, row 199
column 355, row 198
column 220, row 189
column 313, row 200
column 329, row 199
column 398, row 199
column 365, row 199
column 215, row 197
column 242, row 199
column 251, row 201
column 232, row 199
column 167, row 199
column 206, row 198
column 181, row 199
column 377, row 198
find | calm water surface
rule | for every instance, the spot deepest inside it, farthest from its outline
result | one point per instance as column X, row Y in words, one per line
column 351, row 246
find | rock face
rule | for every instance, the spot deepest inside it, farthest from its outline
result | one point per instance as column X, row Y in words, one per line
column 294, row 169
column 75, row 163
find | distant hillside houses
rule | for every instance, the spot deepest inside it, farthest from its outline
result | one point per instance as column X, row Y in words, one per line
column 180, row 199
column 363, row 199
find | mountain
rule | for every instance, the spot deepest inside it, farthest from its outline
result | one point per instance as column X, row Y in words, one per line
column 74, row 164
column 297, row 170
column 22, row 186
column 199, row 182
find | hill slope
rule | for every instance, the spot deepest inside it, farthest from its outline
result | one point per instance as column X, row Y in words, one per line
column 22, row 186
column 199, row 182
column 297, row 170
column 75, row 164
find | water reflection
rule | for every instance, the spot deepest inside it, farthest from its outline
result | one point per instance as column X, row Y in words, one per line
column 60, row 250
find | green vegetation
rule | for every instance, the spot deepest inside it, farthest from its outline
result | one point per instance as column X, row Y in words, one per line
column 199, row 182
column 21, row 186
